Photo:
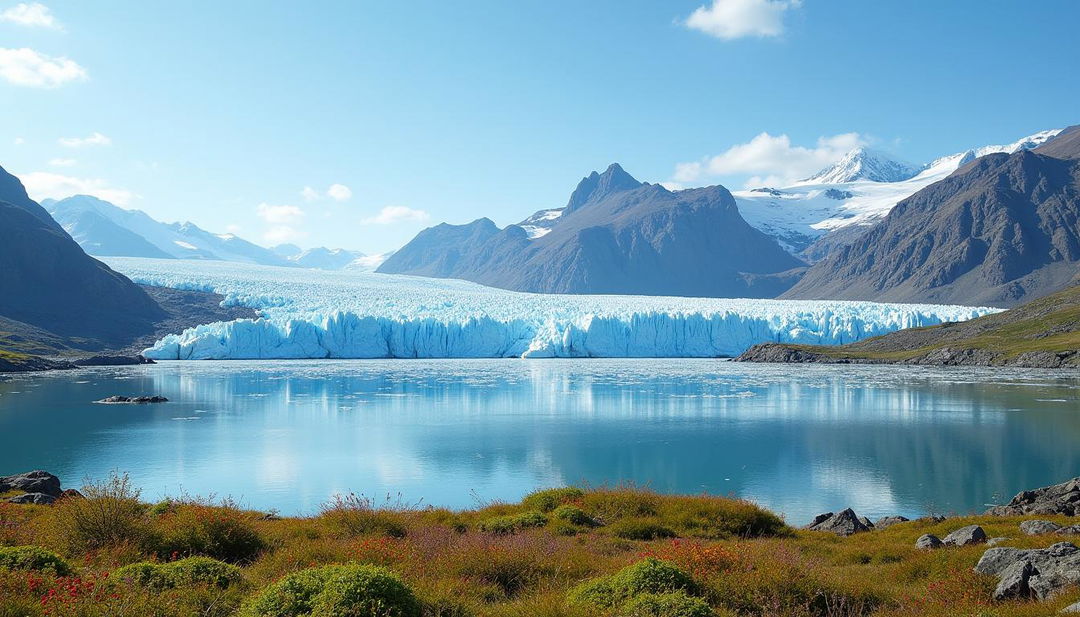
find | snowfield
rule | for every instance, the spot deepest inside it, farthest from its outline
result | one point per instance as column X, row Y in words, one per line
column 317, row 314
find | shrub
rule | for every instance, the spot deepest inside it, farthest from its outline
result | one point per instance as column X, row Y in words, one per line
column 337, row 591
column 574, row 515
column 513, row 522
column 355, row 515
column 549, row 499
column 649, row 576
column 33, row 558
column 610, row 505
column 719, row 518
column 639, row 529
column 222, row 532
column 674, row 604
column 110, row 515
column 182, row 573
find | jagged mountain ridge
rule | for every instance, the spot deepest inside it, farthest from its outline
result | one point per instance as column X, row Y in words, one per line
column 1001, row 230
column 615, row 235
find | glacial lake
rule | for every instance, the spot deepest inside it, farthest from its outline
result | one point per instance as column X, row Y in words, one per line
column 799, row 440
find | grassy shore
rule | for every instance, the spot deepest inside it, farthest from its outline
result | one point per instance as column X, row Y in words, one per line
column 558, row 553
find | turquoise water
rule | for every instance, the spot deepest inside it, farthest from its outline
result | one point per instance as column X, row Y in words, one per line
column 797, row 439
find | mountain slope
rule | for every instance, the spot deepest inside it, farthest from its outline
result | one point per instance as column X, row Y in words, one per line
column 102, row 228
column 1041, row 333
column 615, row 235
column 1001, row 230
column 322, row 258
column 48, row 282
column 864, row 164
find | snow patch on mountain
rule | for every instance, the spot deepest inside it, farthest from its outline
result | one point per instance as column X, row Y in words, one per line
column 320, row 314
column 864, row 164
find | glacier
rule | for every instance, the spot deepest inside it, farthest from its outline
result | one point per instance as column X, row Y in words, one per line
column 348, row 314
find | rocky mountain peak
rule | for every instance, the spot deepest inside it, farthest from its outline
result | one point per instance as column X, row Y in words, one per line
column 596, row 186
column 864, row 164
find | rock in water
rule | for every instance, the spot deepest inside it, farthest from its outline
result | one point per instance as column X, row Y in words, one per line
column 1056, row 567
column 972, row 534
column 32, row 482
column 928, row 542
column 1035, row 528
column 112, row 400
column 888, row 521
column 1061, row 498
column 843, row 523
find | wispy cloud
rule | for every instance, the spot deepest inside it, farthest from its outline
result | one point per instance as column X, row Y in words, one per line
column 772, row 160
column 31, row 14
column 282, row 214
column 309, row 194
column 26, row 67
column 94, row 139
column 18, row 141
column 283, row 233
column 47, row 185
column 733, row 19
column 396, row 214
column 62, row 162
column 339, row 192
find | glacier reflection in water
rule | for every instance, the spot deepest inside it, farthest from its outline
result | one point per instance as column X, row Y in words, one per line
column 800, row 440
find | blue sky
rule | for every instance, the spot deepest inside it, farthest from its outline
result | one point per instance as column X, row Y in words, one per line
column 224, row 113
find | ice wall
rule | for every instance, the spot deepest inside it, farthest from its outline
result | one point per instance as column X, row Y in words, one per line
column 308, row 314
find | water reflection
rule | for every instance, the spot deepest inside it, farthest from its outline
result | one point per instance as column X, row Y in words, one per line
column 797, row 439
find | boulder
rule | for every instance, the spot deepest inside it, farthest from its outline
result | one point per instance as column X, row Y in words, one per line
column 843, row 523
column 1056, row 567
column 70, row 493
column 928, row 541
column 40, row 499
column 1037, row 528
column 1061, row 498
column 1071, row 530
column 972, row 534
column 1071, row 609
column 113, row 400
column 888, row 521
column 32, row 482
column 996, row 541
column 1015, row 581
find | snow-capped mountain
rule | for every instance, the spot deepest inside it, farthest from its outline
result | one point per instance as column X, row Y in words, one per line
column 834, row 205
column 322, row 258
column 104, row 229
column 864, row 164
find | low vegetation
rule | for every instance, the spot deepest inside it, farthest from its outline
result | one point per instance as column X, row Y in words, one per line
column 605, row 552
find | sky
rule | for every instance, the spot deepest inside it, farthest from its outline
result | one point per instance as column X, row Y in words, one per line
column 356, row 124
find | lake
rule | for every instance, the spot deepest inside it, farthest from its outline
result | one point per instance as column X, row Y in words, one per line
column 286, row 435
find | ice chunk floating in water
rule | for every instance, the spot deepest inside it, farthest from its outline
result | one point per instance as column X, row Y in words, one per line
column 316, row 314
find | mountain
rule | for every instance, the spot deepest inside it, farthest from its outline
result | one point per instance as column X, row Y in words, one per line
column 102, row 228
column 51, row 286
column 1044, row 333
column 864, row 164
column 286, row 250
column 1002, row 230
column 322, row 258
column 614, row 236
column 814, row 216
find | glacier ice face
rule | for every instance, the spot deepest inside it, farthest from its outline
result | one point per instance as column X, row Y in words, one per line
column 316, row 314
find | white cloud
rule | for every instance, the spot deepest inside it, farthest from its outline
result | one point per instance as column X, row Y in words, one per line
column 279, row 215
column 771, row 160
column 62, row 162
column 282, row 234
column 32, row 14
column 18, row 141
column 26, row 67
column 309, row 194
column 733, row 19
column 95, row 139
column 47, row 185
column 339, row 192
column 396, row 214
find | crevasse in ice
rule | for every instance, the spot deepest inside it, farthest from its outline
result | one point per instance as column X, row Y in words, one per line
column 315, row 314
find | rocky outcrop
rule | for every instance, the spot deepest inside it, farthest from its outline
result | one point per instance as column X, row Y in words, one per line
column 105, row 360
column 116, row 399
column 843, row 523
column 1035, row 528
column 888, row 521
column 972, row 534
column 37, row 487
column 1032, row 573
column 1061, row 498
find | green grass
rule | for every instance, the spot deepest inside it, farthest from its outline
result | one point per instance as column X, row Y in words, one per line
column 112, row 554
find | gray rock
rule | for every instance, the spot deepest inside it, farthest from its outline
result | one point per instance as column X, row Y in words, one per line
column 1036, row 528
column 1070, row 609
column 1071, row 530
column 36, row 498
column 1061, row 498
column 888, row 521
column 843, row 523
column 112, row 400
column 1015, row 581
column 996, row 541
column 32, row 482
column 866, row 522
column 928, row 541
column 972, row 534
column 1057, row 566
